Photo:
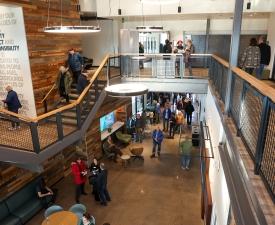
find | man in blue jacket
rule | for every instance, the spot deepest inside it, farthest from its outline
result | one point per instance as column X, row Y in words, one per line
column 75, row 62
column 166, row 115
column 13, row 105
column 82, row 83
column 157, row 137
column 131, row 124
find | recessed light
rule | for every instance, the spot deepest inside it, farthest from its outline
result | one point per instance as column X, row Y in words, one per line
column 251, row 15
column 255, row 13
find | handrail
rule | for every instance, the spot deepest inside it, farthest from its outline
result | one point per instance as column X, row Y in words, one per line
column 47, row 94
column 260, row 86
column 64, row 107
column 161, row 54
column 226, row 64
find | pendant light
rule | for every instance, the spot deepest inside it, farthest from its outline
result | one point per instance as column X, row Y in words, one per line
column 119, row 9
column 179, row 8
column 69, row 29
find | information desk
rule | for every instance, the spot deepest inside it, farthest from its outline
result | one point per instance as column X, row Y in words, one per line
column 114, row 127
column 62, row 218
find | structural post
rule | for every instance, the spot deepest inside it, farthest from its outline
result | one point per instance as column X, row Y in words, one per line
column 234, row 48
column 206, row 41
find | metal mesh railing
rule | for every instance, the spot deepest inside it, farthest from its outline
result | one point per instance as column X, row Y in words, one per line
column 236, row 92
column 251, row 118
column 268, row 158
column 224, row 84
column 114, row 66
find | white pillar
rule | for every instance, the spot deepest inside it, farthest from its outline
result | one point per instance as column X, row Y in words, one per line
column 271, row 39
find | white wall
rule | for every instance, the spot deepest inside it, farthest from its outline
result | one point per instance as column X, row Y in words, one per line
column 95, row 45
column 219, row 191
column 271, row 39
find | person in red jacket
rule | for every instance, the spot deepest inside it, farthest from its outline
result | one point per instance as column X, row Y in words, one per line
column 80, row 172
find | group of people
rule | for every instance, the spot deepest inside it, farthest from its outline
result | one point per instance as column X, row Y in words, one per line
column 256, row 56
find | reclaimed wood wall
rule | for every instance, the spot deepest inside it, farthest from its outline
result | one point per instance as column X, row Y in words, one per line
column 47, row 52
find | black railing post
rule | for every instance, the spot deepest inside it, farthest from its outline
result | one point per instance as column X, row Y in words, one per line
column 45, row 104
column 35, row 137
column 210, row 68
column 241, row 108
column 108, row 71
column 262, row 134
column 96, row 89
column 78, row 116
column 59, row 126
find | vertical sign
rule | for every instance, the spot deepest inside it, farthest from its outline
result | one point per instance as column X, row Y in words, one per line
column 14, row 59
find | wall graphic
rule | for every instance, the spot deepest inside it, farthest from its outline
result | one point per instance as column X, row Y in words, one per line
column 14, row 59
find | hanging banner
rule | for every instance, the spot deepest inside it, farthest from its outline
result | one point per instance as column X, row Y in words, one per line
column 14, row 59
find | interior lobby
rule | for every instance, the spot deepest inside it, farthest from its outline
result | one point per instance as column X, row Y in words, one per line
column 230, row 179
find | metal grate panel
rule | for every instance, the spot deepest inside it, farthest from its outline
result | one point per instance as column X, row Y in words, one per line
column 224, row 84
column 251, row 118
column 218, row 83
column 236, row 91
column 268, row 158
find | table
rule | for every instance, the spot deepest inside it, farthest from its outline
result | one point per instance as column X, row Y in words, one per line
column 147, row 133
column 115, row 127
column 62, row 218
column 125, row 160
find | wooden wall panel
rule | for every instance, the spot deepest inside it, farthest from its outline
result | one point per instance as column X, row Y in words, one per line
column 47, row 52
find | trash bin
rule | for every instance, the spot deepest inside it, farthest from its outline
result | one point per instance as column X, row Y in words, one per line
column 195, row 134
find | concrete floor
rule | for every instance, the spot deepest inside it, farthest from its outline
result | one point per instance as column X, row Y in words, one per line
column 153, row 191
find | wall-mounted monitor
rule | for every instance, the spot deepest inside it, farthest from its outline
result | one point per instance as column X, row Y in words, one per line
column 107, row 121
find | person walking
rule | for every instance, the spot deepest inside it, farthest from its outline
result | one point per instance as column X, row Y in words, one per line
column 180, row 121
column 251, row 57
column 157, row 112
column 79, row 172
column 75, row 63
column 102, row 177
column 166, row 115
column 189, row 109
column 13, row 104
column 172, row 125
column 265, row 56
column 82, row 83
column 189, row 50
column 63, row 83
column 186, row 147
column 157, row 137
column 151, row 116
column 139, row 128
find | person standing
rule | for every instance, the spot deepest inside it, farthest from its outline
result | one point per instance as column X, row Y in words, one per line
column 189, row 109
column 265, row 56
column 48, row 195
column 63, row 83
column 140, row 50
column 186, row 147
column 144, row 117
column 166, row 115
column 251, row 57
column 75, row 62
column 131, row 126
column 79, row 172
column 102, row 177
column 189, row 50
column 179, row 50
column 167, row 49
column 172, row 125
column 13, row 105
column 82, row 83
column 95, row 170
column 157, row 137
column 139, row 128
column 157, row 112
column 151, row 116
column 180, row 121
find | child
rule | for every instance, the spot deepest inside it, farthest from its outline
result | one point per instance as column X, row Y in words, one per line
column 151, row 116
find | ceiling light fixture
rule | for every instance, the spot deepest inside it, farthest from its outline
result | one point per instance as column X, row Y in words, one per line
column 248, row 6
column 119, row 9
column 144, row 28
column 69, row 29
column 126, row 90
column 179, row 8
column 159, row 2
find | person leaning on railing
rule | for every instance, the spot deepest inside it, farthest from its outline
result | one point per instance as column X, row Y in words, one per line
column 63, row 83
column 13, row 105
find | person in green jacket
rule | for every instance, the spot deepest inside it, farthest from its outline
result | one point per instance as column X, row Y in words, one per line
column 186, row 150
column 87, row 219
column 63, row 83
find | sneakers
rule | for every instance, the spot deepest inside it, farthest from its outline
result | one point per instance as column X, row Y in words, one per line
column 187, row 168
column 183, row 168
column 152, row 156
column 12, row 128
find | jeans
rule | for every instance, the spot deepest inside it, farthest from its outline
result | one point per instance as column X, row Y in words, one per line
column 157, row 118
column 165, row 122
column 249, row 70
column 155, row 143
column 185, row 160
column 259, row 71
column 78, row 190
column 189, row 119
column 104, row 194
column 138, row 134
column 13, row 122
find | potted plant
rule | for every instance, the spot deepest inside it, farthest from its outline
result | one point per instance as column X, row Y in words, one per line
column 109, row 129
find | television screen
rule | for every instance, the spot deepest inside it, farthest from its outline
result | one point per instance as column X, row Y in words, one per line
column 107, row 121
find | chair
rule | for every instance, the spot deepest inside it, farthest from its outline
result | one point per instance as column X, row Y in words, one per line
column 137, row 153
column 51, row 210
column 78, row 210
column 109, row 155
column 123, row 138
